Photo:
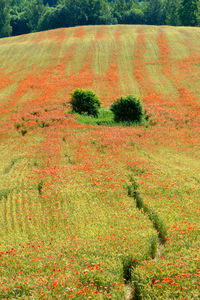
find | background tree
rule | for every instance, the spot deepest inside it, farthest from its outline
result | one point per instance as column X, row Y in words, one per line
column 26, row 16
column 155, row 12
column 134, row 13
column 172, row 12
column 77, row 9
column 189, row 12
column 18, row 17
column 120, row 7
column 50, row 2
column 19, row 23
column 55, row 17
column 33, row 12
column 93, row 10
column 5, row 28
column 106, row 15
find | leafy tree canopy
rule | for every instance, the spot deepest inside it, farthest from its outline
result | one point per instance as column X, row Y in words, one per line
column 23, row 16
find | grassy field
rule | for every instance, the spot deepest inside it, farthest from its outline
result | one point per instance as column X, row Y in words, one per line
column 71, row 224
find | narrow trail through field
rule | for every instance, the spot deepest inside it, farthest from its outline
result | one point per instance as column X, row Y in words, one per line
column 132, row 288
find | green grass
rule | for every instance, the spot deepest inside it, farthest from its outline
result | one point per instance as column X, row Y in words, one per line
column 105, row 117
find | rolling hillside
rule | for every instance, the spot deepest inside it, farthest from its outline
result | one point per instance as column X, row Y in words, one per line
column 69, row 229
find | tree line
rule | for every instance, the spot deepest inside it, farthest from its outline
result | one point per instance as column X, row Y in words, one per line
column 25, row 16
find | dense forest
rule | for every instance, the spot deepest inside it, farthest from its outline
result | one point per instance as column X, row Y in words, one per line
column 24, row 16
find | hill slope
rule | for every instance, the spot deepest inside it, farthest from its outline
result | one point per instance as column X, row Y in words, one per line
column 68, row 227
column 144, row 60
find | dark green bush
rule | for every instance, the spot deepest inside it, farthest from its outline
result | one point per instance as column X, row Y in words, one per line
column 128, row 109
column 85, row 102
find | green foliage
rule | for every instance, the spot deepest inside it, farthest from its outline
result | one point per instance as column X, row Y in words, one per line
column 33, row 12
column 131, row 12
column 77, row 12
column 171, row 12
column 128, row 109
column 104, row 118
column 19, row 22
column 85, row 102
column 50, row 2
column 5, row 28
column 54, row 17
column 106, row 15
column 188, row 12
column 33, row 15
column 155, row 12
column 133, row 16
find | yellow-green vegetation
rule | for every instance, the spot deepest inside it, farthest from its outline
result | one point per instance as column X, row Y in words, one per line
column 105, row 117
column 86, row 210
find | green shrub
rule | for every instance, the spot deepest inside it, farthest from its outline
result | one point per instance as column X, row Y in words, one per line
column 85, row 102
column 128, row 109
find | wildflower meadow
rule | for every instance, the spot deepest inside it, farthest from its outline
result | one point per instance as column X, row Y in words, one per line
column 95, row 211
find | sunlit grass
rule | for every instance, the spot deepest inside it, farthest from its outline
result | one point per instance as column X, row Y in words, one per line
column 106, row 118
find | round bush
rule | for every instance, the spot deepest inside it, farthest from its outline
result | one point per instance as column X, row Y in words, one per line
column 127, row 109
column 85, row 102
